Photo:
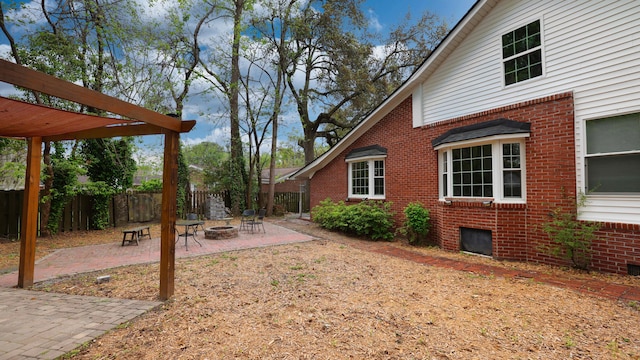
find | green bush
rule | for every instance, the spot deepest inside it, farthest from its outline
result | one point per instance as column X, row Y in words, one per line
column 373, row 219
column 416, row 223
column 570, row 238
column 153, row 185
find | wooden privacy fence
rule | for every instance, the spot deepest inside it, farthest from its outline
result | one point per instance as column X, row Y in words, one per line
column 123, row 209
column 290, row 201
column 76, row 215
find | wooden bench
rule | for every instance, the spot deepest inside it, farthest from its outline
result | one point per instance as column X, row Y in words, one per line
column 135, row 234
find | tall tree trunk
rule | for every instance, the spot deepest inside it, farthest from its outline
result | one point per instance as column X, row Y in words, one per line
column 237, row 164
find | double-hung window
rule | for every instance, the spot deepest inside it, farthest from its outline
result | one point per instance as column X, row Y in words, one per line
column 612, row 158
column 367, row 172
column 522, row 53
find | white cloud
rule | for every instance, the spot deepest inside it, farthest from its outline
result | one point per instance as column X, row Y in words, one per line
column 374, row 21
column 218, row 135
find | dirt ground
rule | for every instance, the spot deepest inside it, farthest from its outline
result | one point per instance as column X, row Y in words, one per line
column 327, row 299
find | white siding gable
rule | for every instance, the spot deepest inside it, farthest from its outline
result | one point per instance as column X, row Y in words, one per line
column 589, row 47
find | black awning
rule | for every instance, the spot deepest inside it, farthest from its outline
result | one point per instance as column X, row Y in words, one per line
column 367, row 151
column 476, row 131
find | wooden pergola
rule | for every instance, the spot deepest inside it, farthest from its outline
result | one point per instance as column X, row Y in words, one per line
column 37, row 124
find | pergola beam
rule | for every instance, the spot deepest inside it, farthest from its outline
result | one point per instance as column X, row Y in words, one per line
column 139, row 129
column 41, row 82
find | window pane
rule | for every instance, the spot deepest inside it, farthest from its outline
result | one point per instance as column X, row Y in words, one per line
column 506, row 149
column 614, row 173
column 360, row 178
column 378, row 186
column 521, row 46
column 444, row 185
column 533, row 41
column 473, row 176
column 512, row 184
column 445, row 171
column 535, row 71
column 507, row 51
column 534, row 27
column 620, row 133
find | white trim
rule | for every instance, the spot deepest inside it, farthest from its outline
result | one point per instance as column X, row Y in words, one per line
column 364, row 158
column 483, row 140
column 370, row 160
column 417, row 110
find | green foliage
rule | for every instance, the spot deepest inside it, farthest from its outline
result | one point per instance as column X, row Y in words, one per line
column 110, row 161
column 65, row 184
column 12, row 162
column 153, row 185
column 570, row 238
column 101, row 194
column 110, row 167
column 416, row 223
column 372, row 219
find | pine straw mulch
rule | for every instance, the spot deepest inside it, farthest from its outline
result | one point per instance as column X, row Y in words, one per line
column 330, row 299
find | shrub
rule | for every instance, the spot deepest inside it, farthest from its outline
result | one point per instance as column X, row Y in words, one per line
column 279, row 210
column 416, row 223
column 372, row 219
column 570, row 238
column 153, row 185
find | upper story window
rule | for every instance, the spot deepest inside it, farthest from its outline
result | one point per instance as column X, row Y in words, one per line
column 522, row 53
column 484, row 160
column 366, row 172
column 613, row 155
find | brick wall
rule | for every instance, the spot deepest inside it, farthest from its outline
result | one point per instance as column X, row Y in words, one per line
column 412, row 175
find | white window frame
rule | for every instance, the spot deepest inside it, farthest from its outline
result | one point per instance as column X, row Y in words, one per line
column 601, row 155
column 497, row 168
column 503, row 60
column 371, row 163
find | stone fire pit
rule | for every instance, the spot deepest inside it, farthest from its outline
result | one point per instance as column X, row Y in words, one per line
column 220, row 232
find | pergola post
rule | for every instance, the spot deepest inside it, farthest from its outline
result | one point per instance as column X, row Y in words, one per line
column 29, row 220
column 168, row 217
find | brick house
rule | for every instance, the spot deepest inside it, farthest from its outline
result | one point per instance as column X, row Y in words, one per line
column 521, row 108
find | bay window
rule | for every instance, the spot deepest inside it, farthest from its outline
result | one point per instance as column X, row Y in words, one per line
column 484, row 160
column 488, row 170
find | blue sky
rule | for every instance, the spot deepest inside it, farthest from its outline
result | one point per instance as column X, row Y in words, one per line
column 391, row 12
